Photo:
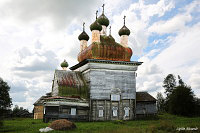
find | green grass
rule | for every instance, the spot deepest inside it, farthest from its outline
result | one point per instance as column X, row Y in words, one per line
column 165, row 123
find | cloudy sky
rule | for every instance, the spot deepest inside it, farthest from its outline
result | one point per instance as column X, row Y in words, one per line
column 36, row 36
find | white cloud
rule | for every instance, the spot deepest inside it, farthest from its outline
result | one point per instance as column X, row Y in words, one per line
column 180, row 58
column 173, row 25
column 176, row 23
column 61, row 13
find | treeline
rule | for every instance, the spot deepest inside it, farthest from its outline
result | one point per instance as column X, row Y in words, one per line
column 6, row 103
column 179, row 100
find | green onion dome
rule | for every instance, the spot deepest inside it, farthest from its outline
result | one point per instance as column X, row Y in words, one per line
column 103, row 20
column 95, row 26
column 64, row 64
column 83, row 36
column 124, row 31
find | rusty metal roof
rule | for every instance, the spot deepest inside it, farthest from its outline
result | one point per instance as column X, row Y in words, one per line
column 144, row 97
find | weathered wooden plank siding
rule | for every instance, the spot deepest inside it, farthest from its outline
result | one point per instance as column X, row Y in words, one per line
column 101, row 79
column 104, row 77
column 146, row 108
column 107, row 106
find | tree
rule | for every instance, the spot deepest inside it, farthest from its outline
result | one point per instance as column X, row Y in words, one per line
column 180, row 81
column 160, row 102
column 5, row 100
column 169, row 84
column 181, row 101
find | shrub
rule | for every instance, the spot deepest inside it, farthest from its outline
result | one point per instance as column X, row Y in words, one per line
column 62, row 124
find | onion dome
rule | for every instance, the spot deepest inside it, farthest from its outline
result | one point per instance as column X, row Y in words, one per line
column 64, row 64
column 103, row 20
column 124, row 31
column 95, row 26
column 83, row 36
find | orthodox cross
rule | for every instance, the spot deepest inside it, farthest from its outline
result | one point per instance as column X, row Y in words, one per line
column 83, row 26
column 124, row 19
column 110, row 30
column 103, row 7
column 96, row 13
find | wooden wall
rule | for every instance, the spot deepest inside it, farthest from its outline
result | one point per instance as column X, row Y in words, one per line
column 103, row 79
column 146, row 108
column 38, row 112
column 108, row 105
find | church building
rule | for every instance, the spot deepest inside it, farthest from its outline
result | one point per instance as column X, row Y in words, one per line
column 102, row 86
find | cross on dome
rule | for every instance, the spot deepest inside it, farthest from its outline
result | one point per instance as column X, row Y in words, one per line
column 103, row 7
column 124, row 19
column 96, row 13
column 110, row 29
column 83, row 26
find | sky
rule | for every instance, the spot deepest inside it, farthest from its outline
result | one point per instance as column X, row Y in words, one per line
column 36, row 36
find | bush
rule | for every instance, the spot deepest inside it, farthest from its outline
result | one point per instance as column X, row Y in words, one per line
column 62, row 124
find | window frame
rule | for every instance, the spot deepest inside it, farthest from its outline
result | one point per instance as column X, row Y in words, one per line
column 71, row 112
column 125, row 111
column 115, row 111
column 115, row 97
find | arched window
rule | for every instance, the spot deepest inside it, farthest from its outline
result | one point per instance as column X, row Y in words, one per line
column 126, row 111
column 115, row 110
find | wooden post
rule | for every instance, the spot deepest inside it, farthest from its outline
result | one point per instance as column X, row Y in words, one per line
column 118, row 111
column 96, row 110
column 105, row 106
column 110, row 109
column 131, row 108
column 90, row 111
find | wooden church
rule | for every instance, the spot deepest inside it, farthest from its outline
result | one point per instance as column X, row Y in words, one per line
column 102, row 86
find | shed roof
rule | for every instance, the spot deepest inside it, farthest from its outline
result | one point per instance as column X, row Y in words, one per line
column 144, row 97
column 40, row 100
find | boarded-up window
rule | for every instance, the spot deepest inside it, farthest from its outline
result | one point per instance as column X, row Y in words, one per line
column 126, row 111
column 115, row 97
column 73, row 111
column 115, row 109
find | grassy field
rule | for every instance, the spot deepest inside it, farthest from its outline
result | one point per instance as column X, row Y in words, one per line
column 165, row 123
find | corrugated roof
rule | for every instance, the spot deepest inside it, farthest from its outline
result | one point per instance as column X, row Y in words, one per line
column 144, row 97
